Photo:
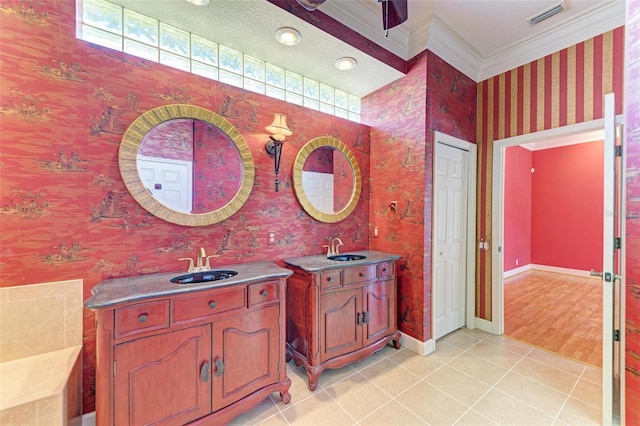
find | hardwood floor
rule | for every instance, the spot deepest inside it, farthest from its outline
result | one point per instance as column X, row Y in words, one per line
column 558, row 312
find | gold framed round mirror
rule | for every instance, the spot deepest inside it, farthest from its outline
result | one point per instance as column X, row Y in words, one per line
column 327, row 179
column 195, row 147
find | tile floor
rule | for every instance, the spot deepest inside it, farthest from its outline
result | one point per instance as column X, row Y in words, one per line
column 473, row 378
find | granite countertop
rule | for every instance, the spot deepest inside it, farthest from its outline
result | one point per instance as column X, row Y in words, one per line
column 320, row 262
column 117, row 291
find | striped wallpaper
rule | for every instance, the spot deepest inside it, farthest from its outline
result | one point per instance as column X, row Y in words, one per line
column 563, row 88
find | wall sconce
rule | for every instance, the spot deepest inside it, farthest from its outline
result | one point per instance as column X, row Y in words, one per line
column 279, row 132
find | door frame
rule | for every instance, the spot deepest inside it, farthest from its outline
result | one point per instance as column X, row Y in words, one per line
column 470, row 282
column 496, row 325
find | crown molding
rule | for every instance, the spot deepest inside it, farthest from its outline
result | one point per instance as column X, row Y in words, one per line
column 594, row 22
column 452, row 48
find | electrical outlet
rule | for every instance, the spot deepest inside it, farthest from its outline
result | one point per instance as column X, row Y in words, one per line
column 517, row 262
column 271, row 238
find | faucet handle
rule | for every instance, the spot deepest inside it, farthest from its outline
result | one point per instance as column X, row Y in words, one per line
column 206, row 265
column 191, row 269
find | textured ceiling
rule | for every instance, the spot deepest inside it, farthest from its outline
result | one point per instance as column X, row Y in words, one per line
column 481, row 38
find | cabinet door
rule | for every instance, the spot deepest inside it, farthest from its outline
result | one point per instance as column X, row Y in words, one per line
column 163, row 379
column 339, row 331
column 246, row 354
column 380, row 311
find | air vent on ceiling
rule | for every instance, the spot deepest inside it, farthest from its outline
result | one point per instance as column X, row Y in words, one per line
column 554, row 10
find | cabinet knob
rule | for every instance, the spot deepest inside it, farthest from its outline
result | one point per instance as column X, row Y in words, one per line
column 205, row 372
column 362, row 274
column 384, row 269
column 219, row 367
column 264, row 293
column 330, row 279
column 212, row 304
column 143, row 318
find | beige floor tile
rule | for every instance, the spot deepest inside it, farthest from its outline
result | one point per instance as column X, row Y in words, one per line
column 588, row 392
column 508, row 343
column 578, row 413
column 556, row 361
column 541, row 397
column 505, row 410
column 479, row 368
column 496, row 354
column 459, row 340
column 277, row 420
column 261, row 412
column 419, row 365
column 432, row 405
column 375, row 357
column 461, row 386
column 333, row 375
column 445, row 352
column 473, row 418
column 390, row 377
column 390, row 414
column 546, row 374
column 319, row 410
column 358, row 396
column 593, row 374
column 474, row 332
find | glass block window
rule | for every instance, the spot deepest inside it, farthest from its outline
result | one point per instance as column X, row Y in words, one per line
column 128, row 31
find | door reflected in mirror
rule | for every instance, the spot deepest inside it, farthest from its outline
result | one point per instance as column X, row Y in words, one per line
column 327, row 179
column 189, row 165
column 186, row 165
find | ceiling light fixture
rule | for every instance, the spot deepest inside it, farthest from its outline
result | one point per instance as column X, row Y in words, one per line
column 346, row 63
column 288, row 36
column 554, row 10
column 199, row 2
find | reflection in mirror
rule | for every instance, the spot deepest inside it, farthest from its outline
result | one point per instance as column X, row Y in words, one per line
column 180, row 163
column 186, row 165
column 326, row 179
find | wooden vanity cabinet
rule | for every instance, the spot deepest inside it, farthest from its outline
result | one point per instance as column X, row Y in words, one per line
column 339, row 316
column 199, row 358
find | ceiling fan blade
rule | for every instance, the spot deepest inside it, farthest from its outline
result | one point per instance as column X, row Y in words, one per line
column 310, row 4
column 394, row 12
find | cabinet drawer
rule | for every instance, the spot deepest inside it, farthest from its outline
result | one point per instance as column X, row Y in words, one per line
column 141, row 317
column 263, row 292
column 386, row 270
column 331, row 279
column 207, row 303
column 358, row 274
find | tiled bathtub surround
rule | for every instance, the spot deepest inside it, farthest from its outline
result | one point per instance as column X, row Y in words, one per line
column 40, row 354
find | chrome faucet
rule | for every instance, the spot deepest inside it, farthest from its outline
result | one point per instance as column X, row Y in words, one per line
column 202, row 261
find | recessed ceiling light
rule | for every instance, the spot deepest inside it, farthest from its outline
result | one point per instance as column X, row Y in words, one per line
column 346, row 63
column 199, row 2
column 288, row 36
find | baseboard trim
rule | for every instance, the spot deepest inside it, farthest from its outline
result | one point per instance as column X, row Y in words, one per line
column 556, row 269
column 89, row 419
column 417, row 346
column 559, row 270
column 517, row 271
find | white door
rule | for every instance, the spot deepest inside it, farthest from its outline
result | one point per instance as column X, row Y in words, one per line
column 612, row 244
column 169, row 181
column 449, row 238
column 318, row 187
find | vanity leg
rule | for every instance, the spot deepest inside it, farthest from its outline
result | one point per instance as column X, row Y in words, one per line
column 284, row 391
column 313, row 373
column 396, row 340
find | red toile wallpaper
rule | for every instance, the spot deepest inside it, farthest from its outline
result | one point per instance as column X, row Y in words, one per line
column 403, row 115
column 65, row 212
column 632, row 271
